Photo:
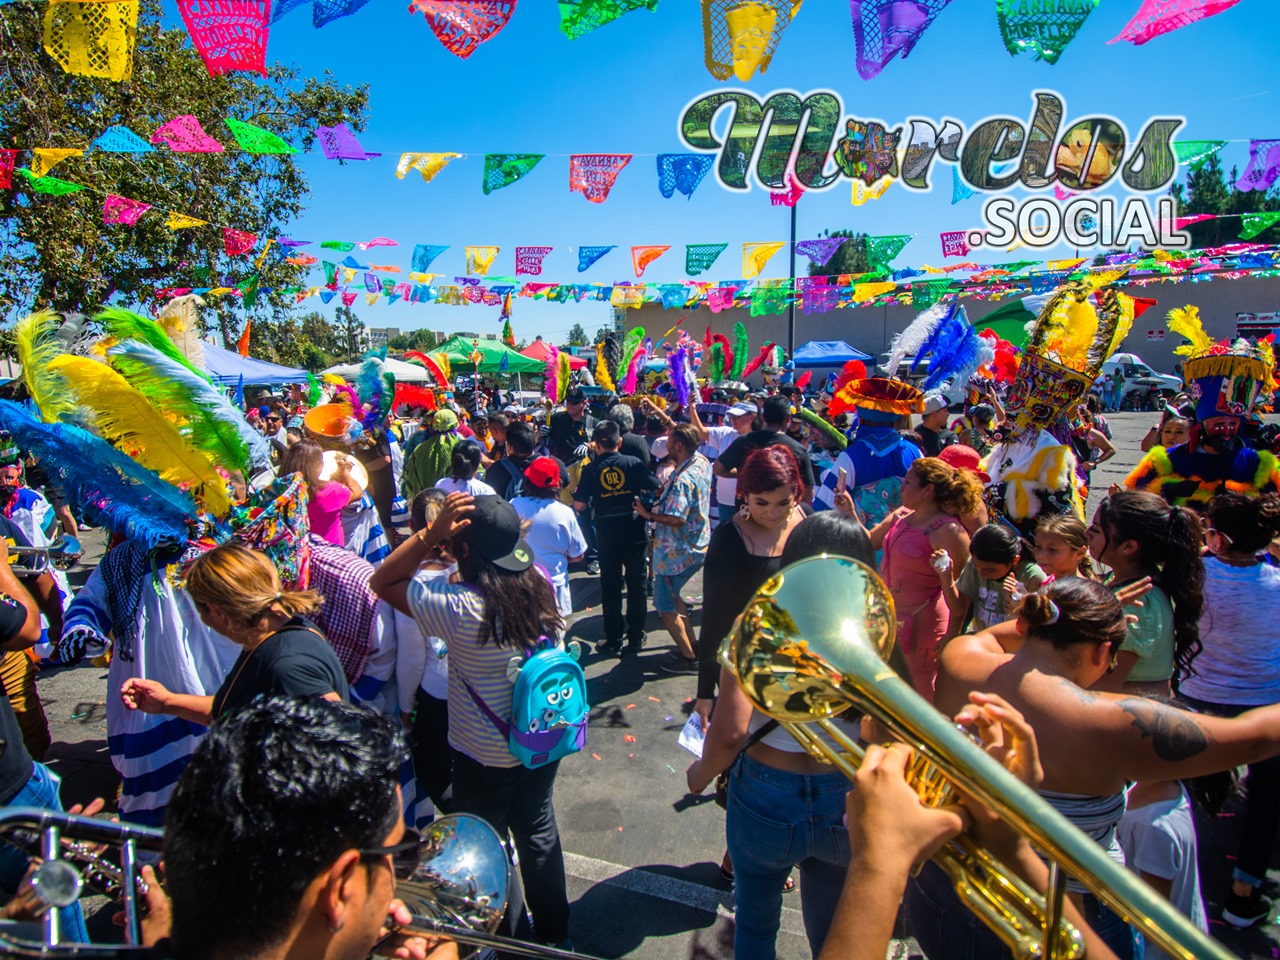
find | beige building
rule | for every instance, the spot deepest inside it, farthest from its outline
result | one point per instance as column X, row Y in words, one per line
column 871, row 328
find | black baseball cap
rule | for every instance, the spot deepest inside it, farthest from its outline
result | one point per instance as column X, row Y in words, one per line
column 494, row 533
column 575, row 395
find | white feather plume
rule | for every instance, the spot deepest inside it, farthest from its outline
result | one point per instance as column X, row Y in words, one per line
column 910, row 340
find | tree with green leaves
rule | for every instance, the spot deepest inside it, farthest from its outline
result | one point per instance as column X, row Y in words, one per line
column 349, row 329
column 55, row 250
column 577, row 336
column 1210, row 190
column 423, row 341
column 602, row 333
column 850, row 257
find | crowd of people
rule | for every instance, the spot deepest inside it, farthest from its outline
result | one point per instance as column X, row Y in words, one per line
column 415, row 567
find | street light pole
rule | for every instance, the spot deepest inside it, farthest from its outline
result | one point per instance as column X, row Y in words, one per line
column 791, row 304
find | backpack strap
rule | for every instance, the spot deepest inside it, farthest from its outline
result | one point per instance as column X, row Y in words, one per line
column 502, row 726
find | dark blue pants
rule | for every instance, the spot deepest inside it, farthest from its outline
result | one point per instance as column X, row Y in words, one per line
column 622, row 542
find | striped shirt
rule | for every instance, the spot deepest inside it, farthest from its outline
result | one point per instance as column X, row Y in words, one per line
column 455, row 614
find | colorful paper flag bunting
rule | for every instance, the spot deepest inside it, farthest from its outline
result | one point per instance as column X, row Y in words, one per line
column 180, row 221
column 821, row 250
column 1264, row 166
column 48, row 185
column 119, row 139
column 884, row 29
column 229, row 34
column 1043, row 30
column 257, row 140
column 376, row 242
column 289, row 242
column 529, row 260
column 593, row 174
column 354, row 264
column 959, row 189
column 7, row 160
column 740, row 38
column 589, row 255
column 122, row 210
column 183, row 134
column 237, row 242
column 925, row 293
column 1194, row 153
column 503, row 169
column 427, row 164
column 323, row 12
column 480, row 259
column 1253, row 224
column 93, row 39
column 863, row 193
column 699, row 256
column 339, row 143
column 756, row 255
column 641, row 257
column 580, row 17
column 46, row 158
column 423, row 254
column 955, row 243
column 342, row 245
column 682, row 171
column 881, row 251
column 1157, row 17
column 462, row 25
column 789, row 197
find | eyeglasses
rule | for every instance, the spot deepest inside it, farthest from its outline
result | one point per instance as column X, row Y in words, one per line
column 1211, row 534
column 405, row 855
column 273, row 419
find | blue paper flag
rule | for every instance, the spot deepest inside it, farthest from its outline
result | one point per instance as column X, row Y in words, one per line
column 353, row 264
column 423, row 254
column 959, row 189
column 682, row 171
column 589, row 255
column 327, row 295
column 504, row 363
column 121, row 140
column 239, row 397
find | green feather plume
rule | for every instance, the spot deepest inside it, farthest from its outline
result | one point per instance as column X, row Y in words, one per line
column 739, row 350
column 38, row 343
column 716, row 369
column 313, row 390
column 127, row 325
column 629, row 345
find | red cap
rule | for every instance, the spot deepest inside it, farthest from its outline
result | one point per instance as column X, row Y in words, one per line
column 961, row 457
column 544, row 473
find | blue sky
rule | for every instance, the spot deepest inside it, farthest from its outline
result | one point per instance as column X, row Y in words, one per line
column 622, row 89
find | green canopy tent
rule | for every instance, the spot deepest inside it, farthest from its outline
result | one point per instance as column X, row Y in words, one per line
column 460, row 350
column 1010, row 321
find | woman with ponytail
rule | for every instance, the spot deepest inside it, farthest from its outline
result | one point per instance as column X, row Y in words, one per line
column 239, row 595
column 1138, row 535
column 1066, row 639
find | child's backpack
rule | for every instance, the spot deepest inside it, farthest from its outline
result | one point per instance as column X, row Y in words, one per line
column 548, row 706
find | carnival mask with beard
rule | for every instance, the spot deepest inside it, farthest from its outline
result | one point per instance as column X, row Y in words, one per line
column 1218, row 434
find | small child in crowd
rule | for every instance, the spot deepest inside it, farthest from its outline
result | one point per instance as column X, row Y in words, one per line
column 1062, row 550
column 993, row 581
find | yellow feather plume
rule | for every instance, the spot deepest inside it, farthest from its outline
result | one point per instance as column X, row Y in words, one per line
column 180, row 319
column 38, row 344
column 604, row 379
column 1186, row 323
column 331, row 378
column 442, row 358
column 128, row 422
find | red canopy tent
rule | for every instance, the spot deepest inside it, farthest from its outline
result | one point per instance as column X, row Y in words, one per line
column 538, row 351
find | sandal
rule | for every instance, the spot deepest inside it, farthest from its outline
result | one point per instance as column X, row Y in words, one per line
column 788, row 885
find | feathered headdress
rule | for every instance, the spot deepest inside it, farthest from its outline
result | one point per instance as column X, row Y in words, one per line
column 829, row 431
column 564, row 376
column 38, row 344
column 1226, row 378
column 1004, row 361
column 630, row 344
column 344, row 395
column 604, row 379
column 722, row 358
column 1185, row 322
column 126, row 325
column 681, row 375
column 551, row 376
column 374, row 391
column 204, row 416
column 638, row 358
column 911, row 341
column 954, row 351
column 180, row 319
column 412, row 395
column 766, row 352
column 740, row 347
column 128, row 422
column 432, row 365
column 314, row 392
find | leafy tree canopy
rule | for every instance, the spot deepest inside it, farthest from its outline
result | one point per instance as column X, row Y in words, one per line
column 1210, row 190
column 577, row 336
column 421, row 340
column 850, row 258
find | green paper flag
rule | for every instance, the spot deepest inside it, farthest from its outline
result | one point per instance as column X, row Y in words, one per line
column 256, row 140
column 342, row 245
column 925, row 293
column 882, row 250
column 50, row 185
column 580, row 17
column 1255, row 223
column 1196, row 152
column 503, row 169
column 249, row 289
column 770, row 299
column 1041, row 29
column 699, row 256
column 330, row 273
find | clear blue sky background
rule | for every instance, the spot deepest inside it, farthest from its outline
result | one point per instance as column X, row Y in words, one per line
column 622, row 88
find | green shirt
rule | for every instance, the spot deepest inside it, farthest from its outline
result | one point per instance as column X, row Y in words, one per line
column 990, row 605
column 1151, row 638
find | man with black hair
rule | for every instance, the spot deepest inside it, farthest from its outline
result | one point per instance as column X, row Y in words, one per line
column 507, row 475
column 777, row 418
column 285, row 836
column 630, row 445
column 610, row 483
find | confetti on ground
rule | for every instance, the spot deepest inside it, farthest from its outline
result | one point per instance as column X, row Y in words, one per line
column 619, row 829
column 655, row 699
column 629, row 738
column 631, row 706
column 688, row 699
column 596, row 756
column 79, row 716
column 667, row 719
column 671, row 768
column 631, row 756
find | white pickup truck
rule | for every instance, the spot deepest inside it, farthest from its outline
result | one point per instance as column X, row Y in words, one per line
column 1140, row 379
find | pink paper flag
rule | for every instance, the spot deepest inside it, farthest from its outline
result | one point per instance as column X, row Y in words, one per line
column 229, row 34
column 1156, row 17
column 529, row 260
column 185, row 135
column 593, row 174
column 236, row 242
column 954, row 243
column 7, row 160
column 377, row 242
column 122, row 210
column 788, row 197
column 348, row 299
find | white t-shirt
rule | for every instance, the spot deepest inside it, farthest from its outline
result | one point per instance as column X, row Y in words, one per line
column 477, row 488
column 420, row 661
column 1240, row 662
column 1160, row 839
column 718, row 441
column 554, row 536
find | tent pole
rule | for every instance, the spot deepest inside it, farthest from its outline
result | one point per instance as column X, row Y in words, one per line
column 791, row 301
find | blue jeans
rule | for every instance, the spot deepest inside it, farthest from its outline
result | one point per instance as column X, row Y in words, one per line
column 40, row 791
column 726, row 511
column 947, row 930
column 775, row 821
column 667, row 589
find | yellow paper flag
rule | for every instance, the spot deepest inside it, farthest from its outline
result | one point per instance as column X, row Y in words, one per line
column 92, row 39
column 423, row 277
column 1066, row 264
column 862, row 193
column 46, row 158
column 480, row 259
column 348, row 274
column 750, row 27
column 863, row 292
column 371, row 298
column 627, row 296
column 427, row 164
column 180, row 221
column 262, row 256
column 756, row 255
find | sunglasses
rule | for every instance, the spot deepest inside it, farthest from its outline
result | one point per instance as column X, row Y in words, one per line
column 405, row 855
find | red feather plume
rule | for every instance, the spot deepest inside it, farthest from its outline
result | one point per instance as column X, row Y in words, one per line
column 433, row 368
column 765, row 353
column 721, row 339
column 412, row 395
column 852, row 370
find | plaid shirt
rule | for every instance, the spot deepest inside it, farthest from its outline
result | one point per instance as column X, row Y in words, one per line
column 350, row 609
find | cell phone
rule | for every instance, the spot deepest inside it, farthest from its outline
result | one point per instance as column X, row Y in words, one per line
column 843, row 480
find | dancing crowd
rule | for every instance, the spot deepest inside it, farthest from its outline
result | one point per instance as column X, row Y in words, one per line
column 293, row 698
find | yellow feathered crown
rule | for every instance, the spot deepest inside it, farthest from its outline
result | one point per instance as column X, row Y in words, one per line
column 1226, row 378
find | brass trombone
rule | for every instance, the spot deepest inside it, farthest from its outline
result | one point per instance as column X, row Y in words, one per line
column 62, row 554
column 814, row 642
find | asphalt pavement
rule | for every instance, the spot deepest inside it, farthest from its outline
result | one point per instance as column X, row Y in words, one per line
column 642, row 856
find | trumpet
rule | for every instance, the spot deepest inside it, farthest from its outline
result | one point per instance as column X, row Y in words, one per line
column 814, row 642
column 62, row 554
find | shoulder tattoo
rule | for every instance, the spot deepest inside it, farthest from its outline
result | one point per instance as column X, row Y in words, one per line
column 1174, row 734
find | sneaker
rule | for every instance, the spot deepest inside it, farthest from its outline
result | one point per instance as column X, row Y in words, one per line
column 593, row 569
column 635, row 643
column 674, row 663
column 1246, row 911
column 613, row 645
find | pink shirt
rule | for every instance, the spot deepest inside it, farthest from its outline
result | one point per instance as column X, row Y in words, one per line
column 324, row 510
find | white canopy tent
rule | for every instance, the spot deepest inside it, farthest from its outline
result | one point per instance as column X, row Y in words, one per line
column 404, row 372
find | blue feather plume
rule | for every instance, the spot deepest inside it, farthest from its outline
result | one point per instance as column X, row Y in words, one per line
column 370, row 388
column 126, row 498
column 956, row 352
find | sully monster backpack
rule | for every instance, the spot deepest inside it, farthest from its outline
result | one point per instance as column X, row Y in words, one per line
column 548, row 706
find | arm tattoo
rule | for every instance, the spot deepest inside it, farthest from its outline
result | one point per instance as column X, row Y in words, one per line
column 1174, row 734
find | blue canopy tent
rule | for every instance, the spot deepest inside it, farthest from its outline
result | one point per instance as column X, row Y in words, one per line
column 827, row 353
column 226, row 367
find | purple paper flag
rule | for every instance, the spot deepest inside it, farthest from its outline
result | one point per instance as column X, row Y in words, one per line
column 340, row 143
column 1264, row 166
column 819, row 251
column 884, row 29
